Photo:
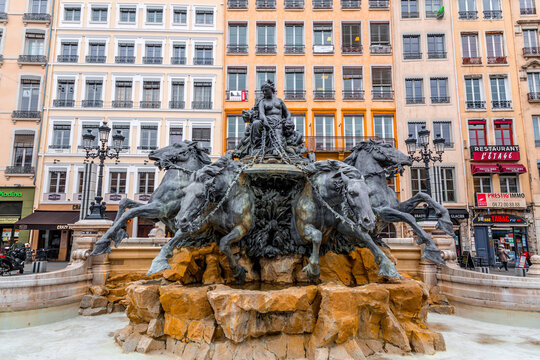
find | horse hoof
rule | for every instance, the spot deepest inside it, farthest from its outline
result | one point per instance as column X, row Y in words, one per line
column 388, row 270
column 158, row 266
column 101, row 247
column 240, row 274
column 120, row 235
column 433, row 255
column 313, row 272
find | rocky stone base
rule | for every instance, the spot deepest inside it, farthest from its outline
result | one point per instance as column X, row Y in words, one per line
column 328, row 321
column 438, row 303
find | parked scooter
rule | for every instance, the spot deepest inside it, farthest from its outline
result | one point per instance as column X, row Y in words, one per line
column 12, row 260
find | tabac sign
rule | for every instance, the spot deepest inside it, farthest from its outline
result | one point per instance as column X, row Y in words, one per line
column 501, row 200
column 495, row 153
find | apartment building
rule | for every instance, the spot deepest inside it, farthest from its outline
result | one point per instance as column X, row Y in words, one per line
column 152, row 71
column 490, row 110
column 24, row 39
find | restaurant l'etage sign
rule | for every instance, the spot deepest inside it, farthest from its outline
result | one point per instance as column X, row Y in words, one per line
column 495, row 153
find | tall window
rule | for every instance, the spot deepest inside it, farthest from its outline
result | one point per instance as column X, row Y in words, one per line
column 202, row 95
column 414, row 91
column 236, row 78
column 39, row 6
column 495, row 51
column 414, row 127
column 381, row 82
column 180, row 16
column 467, row 5
column 294, row 37
column 204, row 17
column 324, row 132
column 533, row 79
column 35, row 43
column 266, row 36
column 177, row 95
column 322, row 34
column 351, row 37
column 477, row 132
column 57, row 182
column 154, row 15
column 99, row 14
column 469, row 48
column 499, row 97
column 447, row 186
column 265, row 73
column 71, row 13
column 96, row 52
column 482, row 184
column 117, row 182
column 124, row 131
column 409, row 9
column 503, row 132
column 176, row 134
column 444, row 129
column 436, row 46
column 473, row 93
column 153, row 53
column 236, row 128
column 149, row 134
column 94, row 90
column 492, row 9
column 411, row 47
column 146, row 182
column 65, row 92
column 294, row 82
column 432, row 7
column 204, row 54
column 23, row 149
column 179, row 54
column 354, row 129
column 379, row 33
column 69, row 51
column 384, row 126
column 536, row 129
column 151, row 94
column 527, row 7
column 123, row 92
column 29, row 100
column 93, row 130
column 353, row 87
column 128, row 14
column 530, row 41
column 299, row 122
column 509, row 184
column 238, row 34
column 3, row 5
column 203, row 135
column 61, row 136
column 439, row 90
column 126, row 53
column 324, row 82
column 418, row 180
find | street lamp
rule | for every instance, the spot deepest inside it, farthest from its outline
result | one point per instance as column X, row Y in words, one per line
column 101, row 152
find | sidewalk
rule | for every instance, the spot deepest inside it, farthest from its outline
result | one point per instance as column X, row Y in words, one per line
column 495, row 271
column 51, row 266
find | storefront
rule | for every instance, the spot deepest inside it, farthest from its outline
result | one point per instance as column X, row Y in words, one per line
column 15, row 203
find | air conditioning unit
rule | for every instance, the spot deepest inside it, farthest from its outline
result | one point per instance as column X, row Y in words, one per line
column 237, row 95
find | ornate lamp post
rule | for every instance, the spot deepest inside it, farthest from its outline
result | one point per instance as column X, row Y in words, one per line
column 101, row 151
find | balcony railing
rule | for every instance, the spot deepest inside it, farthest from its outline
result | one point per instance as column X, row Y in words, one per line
column 203, row 61
column 380, row 49
column 351, row 49
column 150, row 104
column 496, row 60
column 353, row 94
column 351, row 4
column 20, row 170
column 36, row 18
column 410, row 14
column 265, row 49
column 293, row 4
column 533, row 96
column 472, row 61
column 440, row 99
column 493, row 14
column 527, row 11
column 265, row 4
column 531, row 51
column 64, row 103
column 237, row 49
column 436, row 54
column 294, row 49
column 201, row 105
column 412, row 55
column 414, row 100
column 177, row 104
column 324, row 94
column 468, row 15
column 26, row 115
column 67, row 58
column 92, row 103
column 237, row 4
column 122, row 104
column 96, row 59
column 501, row 104
column 175, row 60
column 323, row 49
column 152, row 60
column 124, row 59
column 434, row 14
column 379, row 4
column 339, row 143
column 382, row 94
column 32, row 59
column 295, row 94
column 322, row 4
column 475, row 105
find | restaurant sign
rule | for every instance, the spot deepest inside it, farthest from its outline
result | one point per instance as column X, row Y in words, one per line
column 501, row 200
column 495, row 153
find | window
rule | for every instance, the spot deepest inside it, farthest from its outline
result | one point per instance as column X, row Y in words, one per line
column 180, row 17
column 444, row 130
column 154, row 15
column 469, row 48
column 35, row 42
column 414, row 127
column 29, row 100
column 353, row 87
column 411, row 47
column 64, row 93
column 204, row 17
column 324, row 132
column 94, row 90
column 57, row 182
column 176, row 134
column 179, row 54
column 500, row 98
column 509, row 184
column 351, row 35
column 61, row 136
column 80, row 186
column 23, row 150
column 124, row 131
column 536, row 129
column 294, row 82
column 482, row 184
column 237, row 38
column 3, row 5
column 151, row 94
column 473, row 93
column 94, row 130
column 128, row 15
column 418, row 180
column 409, row 9
column 492, row 9
column 503, row 132
column 447, row 186
column 236, row 128
column 72, row 13
column 203, row 54
column 237, row 76
column 354, row 129
column 99, row 14
column 432, row 8
column 146, row 182
column 380, row 33
column 177, row 95
column 477, row 132
column 96, row 52
column 322, row 35
column 39, row 6
column 324, row 82
column 384, row 126
column 299, row 122
column 467, row 9
column 202, row 95
column 266, row 38
column 381, row 82
column 530, row 42
column 117, row 182
column 414, row 91
column 69, row 52
column 527, row 7
column 153, row 54
column 123, row 93
column 294, row 38
column 149, row 135
column 495, row 52
column 533, row 79
column 202, row 134
column 436, row 46
column 264, row 73
column 439, row 90
column 126, row 53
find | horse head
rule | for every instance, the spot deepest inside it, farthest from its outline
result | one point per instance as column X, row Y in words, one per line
column 384, row 153
column 355, row 194
column 180, row 153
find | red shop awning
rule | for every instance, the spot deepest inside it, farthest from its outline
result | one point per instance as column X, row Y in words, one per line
column 513, row 168
column 484, row 168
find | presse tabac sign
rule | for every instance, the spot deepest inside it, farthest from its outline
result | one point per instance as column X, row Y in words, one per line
column 501, row 200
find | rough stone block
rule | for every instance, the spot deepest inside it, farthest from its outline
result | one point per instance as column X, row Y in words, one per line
column 86, row 301
column 94, row 311
column 280, row 269
column 155, row 327
column 354, row 350
column 123, row 334
column 339, row 352
column 98, row 302
column 118, row 308
column 140, row 328
column 147, row 344
column 143, row 300
column 336, row 268
column 222, row 351
column 130, row 345
column 295, row 347
column 99, row 290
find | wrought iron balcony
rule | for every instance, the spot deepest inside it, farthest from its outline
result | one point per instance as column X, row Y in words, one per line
column 237, row 4
column 324, row 94
column 293, row 4
column 19, row 170
column 414, row 100
column 338, row 143
column 434, row 14
column 92, row 103
column 265, row 4
column 266, row 49
column 475, row 105
column 410, row 14
column 531, row 51
column 124, row 59
column 384, row 49
column 26, row 115
column 152, row 60
column 294, row 49
column 177, row 104
column 122, row 104
column 322, row 4
column 351, row 49
column 436, row 54
column 501, row 104
column 32, row 59
column 237, row 49
column 353, row 94
column 96, row 59
column 351, row 4
column 382, row 94
column 533, row 96
column 64, row 103
column 379, row 4
column 295, row 94
column 496, row 60
column 36, row 18
column 493, row 14
column 67, row 58
column 3, row 17
column 201, row 105
column 412, row 55
column 175, row 60
column 203, row 61
column 472, row 61
column 468, row 15
column 440, row 99
column 527, row 11
column 150, row 104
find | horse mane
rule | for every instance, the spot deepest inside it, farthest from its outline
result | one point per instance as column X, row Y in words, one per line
column 215, row 169
column 200, row 154
column 328, row 166
column 367, row 146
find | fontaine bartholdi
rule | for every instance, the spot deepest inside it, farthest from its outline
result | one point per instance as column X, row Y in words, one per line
column 262, row 236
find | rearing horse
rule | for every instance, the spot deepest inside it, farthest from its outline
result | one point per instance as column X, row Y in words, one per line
column 372, row 158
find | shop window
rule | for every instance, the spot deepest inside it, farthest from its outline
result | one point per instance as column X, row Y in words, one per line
column 477, row 132
column 509, row 184
column 503, row 132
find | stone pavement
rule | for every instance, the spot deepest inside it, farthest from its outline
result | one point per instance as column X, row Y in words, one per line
column 51, row 266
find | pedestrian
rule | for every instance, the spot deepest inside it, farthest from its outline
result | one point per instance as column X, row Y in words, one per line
column 527, row 256
column 503, row 256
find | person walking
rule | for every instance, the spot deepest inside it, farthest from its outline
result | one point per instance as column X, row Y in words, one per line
column 527, row 256
column 503, row 256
